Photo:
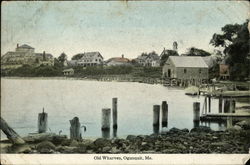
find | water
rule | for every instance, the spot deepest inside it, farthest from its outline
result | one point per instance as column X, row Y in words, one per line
column 23, row 99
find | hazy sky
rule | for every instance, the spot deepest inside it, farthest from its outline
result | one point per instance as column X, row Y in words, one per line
column 116, row 27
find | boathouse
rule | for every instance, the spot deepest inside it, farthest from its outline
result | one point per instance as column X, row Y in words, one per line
column 185, row 68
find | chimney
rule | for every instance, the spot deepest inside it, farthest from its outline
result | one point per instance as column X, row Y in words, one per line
column 43, row 52
column 17, row 45
column 122, row 56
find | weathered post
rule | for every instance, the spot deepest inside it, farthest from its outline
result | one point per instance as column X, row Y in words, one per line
column 42, row 122
column 156, row 115
column 226, row 106
column 114, row 112
column 106, row 115
column 205, row 105
column 209, row 104
column 232, row 106
column 164, row 121
column 10, row 133
column 220, row 104
column 75, row 126
column 196, row 114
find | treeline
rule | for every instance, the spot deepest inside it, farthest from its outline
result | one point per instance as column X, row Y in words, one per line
column 56, row 71
column 32, row 71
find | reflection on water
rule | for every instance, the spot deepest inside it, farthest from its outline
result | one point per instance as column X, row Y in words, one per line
column 106, row 133
column 23, row 99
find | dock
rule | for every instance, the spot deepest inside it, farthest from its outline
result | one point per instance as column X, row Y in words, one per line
column 224, row 116
column 226, row 94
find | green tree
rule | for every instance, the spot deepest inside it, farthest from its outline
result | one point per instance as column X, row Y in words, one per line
column 166, row 54
column 197, row 52
column 62, row 58
column 235, row 41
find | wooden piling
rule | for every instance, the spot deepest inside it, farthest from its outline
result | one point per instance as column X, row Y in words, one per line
column 42, row 122
column 10, row 133
column 114, row 112
column 205, row 105
column 196, row 111
column 106, row 115
column 232, row 106
column 164, row 121
column 156, row 115
column 226, row 106
column 75, row 129
column 209, row 104
column 220, row 104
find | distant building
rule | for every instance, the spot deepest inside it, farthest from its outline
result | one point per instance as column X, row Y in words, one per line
column 185, row 68
column 89, row 59
column 68, row 72
column 115, row 61
column 224, row 71
column 150, row 59
column 25, row 54
column 175, row 46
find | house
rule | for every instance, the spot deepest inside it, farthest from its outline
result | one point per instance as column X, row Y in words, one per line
column 25, row 54
column 151, row 59
column 185, row 68
column 141, row 60
column 89, row 59
column 115, row 61
column 68, row 72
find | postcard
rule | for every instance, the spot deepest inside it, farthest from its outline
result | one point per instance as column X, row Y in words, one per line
column 125, row 82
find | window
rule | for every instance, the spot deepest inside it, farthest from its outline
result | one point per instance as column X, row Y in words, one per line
column 185, row 70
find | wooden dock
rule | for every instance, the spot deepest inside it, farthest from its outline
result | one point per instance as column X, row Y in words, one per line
column 224, row 116
column 226, row 94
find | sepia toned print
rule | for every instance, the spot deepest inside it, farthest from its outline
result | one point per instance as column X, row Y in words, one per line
column 125, row 81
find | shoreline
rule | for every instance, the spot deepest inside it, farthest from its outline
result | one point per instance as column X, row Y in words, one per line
column 201, row 139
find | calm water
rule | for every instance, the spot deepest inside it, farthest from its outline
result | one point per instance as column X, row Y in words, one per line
column 23, row 99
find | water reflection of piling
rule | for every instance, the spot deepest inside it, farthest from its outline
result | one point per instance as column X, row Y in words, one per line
column 106, row 115
column 196, row 114
column 106, row 133
column 114, row 132
column 156, row 115
column 156, row 129
column 114, row 112
column 164, row 114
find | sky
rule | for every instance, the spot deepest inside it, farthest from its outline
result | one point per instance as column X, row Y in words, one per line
column 116, row 27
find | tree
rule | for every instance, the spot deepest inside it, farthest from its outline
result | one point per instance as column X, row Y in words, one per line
column 62, row 58
column 166, row 54
column 235, row 41
column 77, row 56
column 197, row 52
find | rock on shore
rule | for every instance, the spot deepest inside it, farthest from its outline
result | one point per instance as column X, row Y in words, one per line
column 197, row 140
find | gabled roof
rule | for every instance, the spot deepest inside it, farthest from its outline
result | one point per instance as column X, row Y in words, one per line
column 25, row 46
column 188, row 61
column 90, row 54
column 118, row 59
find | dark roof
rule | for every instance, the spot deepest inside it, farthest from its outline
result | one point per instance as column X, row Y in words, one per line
column 46, row 54
column 25, row 46
column 89, row 54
